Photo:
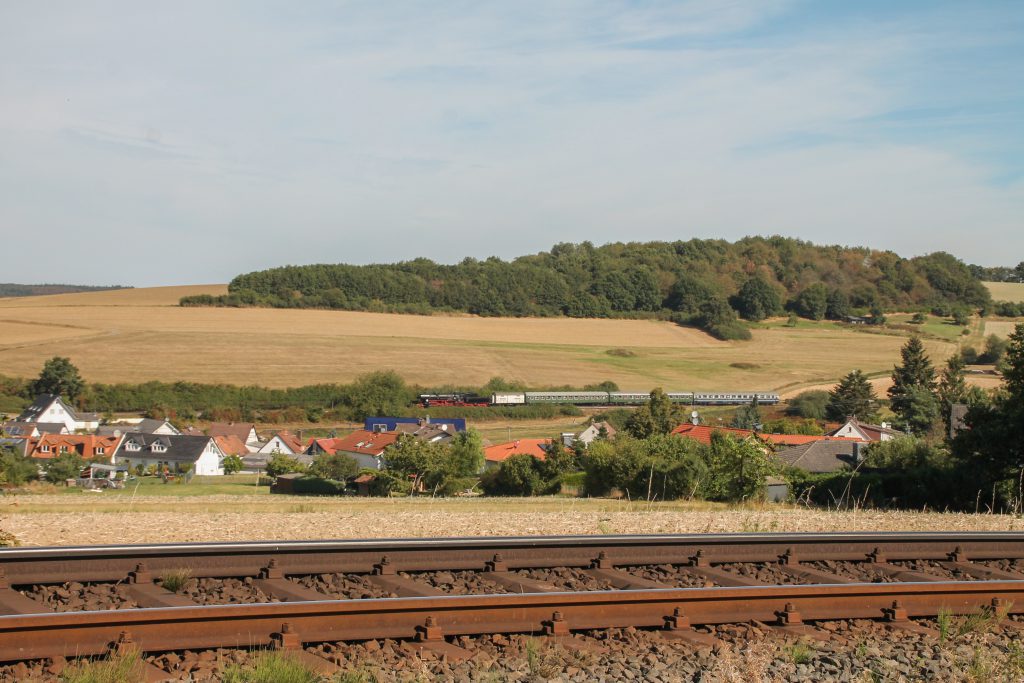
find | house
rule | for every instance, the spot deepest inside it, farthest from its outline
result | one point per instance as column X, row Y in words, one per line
column 144, row 425
column 86, row 446
column 594, row 431
column 499, row 453
column 18, row 445
column 283, row 442
column 856, row 429
column 365, row 447
column 172, row 453
column 49, row 409
column 820, row 457
column 441, row 432
column 390, row 424
column 25, row 430
column 246, row 433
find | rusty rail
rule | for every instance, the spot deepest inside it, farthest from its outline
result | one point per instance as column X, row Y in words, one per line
column 172, row 622
column 113, row 563
column 89, row 633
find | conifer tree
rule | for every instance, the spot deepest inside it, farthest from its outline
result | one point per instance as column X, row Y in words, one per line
column 852, row 397
column 952, row 387
column 913, row 382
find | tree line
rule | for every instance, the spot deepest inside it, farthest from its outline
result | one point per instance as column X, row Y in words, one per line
column 375, row 393
column 707, row 283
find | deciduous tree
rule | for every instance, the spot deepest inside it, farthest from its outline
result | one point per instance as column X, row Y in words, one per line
column 59, row 377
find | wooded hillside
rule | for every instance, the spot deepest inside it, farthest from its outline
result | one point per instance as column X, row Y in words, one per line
column 702, row 282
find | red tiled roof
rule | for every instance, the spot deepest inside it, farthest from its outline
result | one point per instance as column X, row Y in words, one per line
column 293, row 442
column 504, row 451
column 242, row 431
column 85, row 445
column 231, row 445
column 359, row 441
column 703, row 434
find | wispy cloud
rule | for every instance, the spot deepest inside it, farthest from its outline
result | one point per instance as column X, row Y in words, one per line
column 229, row 137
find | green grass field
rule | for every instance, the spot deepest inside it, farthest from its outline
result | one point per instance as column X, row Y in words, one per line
column 228, row 485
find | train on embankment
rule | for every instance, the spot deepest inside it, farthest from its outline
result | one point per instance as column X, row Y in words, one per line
column 595, row 398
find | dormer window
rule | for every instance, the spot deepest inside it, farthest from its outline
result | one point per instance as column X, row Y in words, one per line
column 45, row 448
column 131, row 446
column 100, row 450
column 158, row 448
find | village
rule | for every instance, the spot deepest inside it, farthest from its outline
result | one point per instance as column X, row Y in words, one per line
column 112, row 451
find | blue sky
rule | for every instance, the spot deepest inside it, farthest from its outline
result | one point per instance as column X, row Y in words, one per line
column 187, row 142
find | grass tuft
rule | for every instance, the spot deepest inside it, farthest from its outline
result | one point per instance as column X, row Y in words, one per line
column 273, row 667
column 800, row 653
column 118, row 669
column 175, row 579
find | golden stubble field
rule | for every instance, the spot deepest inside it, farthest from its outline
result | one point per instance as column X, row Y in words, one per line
column 139, row 335
column 1006, row 291
column 97, row 519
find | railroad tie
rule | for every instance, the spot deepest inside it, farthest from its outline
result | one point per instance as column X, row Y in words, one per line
column 13, row 602
column 142, row 590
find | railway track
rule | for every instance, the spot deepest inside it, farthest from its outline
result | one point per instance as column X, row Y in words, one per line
column 73, row 602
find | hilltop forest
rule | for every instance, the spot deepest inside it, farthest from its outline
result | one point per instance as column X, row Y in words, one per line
column 707, row 283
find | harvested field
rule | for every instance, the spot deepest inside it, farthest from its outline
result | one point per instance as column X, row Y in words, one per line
column 140, row 335
column 1000, row 328
column 1006, row 291
column 38, row 520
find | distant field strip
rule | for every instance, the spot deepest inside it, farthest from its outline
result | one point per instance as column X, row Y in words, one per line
column 139, row 335
column 1006, row 291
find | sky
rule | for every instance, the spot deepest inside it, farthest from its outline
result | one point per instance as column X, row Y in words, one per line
column 174, row 143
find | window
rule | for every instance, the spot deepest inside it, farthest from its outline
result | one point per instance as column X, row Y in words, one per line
column 158, row 448
column 131, row 446
column 45, row 448
column 100, row 450
column 63, row 449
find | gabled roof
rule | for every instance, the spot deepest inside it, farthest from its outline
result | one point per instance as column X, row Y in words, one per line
column 85, row 445
column 231, row 445
column 503, row 451
column 179, row 447
column 44, row 401
column 870, row 432
column 291, row 441
column 821, row 456
column 359, row 441
column 242, row 431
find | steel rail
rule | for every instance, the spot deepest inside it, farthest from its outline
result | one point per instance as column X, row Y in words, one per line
column 75, row 634
column 113, row 563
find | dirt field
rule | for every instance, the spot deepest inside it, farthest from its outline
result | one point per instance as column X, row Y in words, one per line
column 1006, row 291
column 38, row 520
column 139, row 335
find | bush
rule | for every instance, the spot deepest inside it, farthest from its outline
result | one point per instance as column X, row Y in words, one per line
column 64, row 466
column 282, row 464
column 338, row 467
column 519, row 475
column 16, row 469
column 232, row 464
column 808, row 404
